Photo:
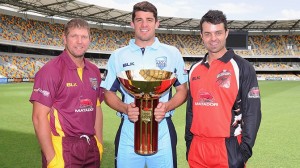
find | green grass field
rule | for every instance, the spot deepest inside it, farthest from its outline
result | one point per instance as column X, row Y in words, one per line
column 277, row 144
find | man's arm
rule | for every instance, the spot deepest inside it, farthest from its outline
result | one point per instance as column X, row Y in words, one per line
column 251, row 112
column 178, row 99
column 99, row 124
column 188, row 124
column 42, row 129
column 114, row 102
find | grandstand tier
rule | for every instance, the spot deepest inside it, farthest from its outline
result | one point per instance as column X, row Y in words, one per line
column 27, row 44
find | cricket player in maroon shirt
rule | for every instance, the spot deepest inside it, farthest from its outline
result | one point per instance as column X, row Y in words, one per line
column 223, row 108
column 66, row 97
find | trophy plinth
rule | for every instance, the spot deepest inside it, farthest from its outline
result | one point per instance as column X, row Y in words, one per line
column 146, row 85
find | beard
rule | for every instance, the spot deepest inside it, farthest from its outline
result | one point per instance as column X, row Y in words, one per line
column 141, row 38
column 215, row 49
column 75, row 55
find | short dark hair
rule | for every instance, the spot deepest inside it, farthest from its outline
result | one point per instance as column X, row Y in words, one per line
column 146, row 7
column 214, row 17
column 76, row 23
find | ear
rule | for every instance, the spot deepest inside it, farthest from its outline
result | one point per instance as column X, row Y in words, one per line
column 132, row 24
column 64, row 38
column 157, row 24
column 227, row 32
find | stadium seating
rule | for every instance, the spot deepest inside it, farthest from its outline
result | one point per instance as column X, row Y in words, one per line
column 44, row 33
column 39, row 33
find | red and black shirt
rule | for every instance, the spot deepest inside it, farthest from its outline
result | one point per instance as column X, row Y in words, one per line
column 224, row 100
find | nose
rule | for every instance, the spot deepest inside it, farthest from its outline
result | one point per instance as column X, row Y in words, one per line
column 144, row 23
column 213, row 37
column 79, row 39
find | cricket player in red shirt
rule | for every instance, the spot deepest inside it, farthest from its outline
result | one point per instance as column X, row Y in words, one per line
column 223, row 109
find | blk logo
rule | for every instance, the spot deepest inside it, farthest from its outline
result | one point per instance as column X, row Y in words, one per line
column 195, row 78
column 128, row 64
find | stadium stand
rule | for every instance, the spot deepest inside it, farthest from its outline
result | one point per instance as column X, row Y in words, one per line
column 268, row 53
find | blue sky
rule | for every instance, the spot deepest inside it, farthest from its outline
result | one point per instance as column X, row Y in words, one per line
column 234, row 9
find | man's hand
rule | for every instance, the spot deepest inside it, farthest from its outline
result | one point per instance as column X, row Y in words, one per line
column 132, row 112
column 160, row 111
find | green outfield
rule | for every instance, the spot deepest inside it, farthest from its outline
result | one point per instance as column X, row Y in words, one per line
column 277, row 145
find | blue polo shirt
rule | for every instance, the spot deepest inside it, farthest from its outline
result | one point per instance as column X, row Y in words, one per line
column 157, row 56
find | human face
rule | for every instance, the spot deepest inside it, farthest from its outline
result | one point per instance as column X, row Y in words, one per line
column 144, row 26
column 77, row 42
column 214, row 37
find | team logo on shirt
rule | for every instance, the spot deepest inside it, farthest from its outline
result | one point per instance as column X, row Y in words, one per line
column 254, row 93
column 85, row 105
column 161, row 62
column 94, row 83
column 205, row 99
column 223, row 79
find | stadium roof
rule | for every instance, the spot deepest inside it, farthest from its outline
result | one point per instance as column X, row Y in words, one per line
column 103, row 16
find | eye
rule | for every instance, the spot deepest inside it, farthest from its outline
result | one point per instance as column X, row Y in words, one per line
column 206, row 34
column 85, row 37
column 138, row 20
column 150, row 20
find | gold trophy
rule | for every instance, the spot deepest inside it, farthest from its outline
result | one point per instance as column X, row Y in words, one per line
column 146, row 85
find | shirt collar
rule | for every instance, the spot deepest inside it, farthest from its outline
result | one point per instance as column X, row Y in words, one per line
column 69, row 62
column 225, row 58
column 135, row 47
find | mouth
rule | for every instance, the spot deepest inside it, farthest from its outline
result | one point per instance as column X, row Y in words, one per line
column 144, row 30
column 79, row 48
column 214, row 44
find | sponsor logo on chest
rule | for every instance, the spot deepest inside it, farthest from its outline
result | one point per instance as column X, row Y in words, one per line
column 205, row 99
column 85, row 105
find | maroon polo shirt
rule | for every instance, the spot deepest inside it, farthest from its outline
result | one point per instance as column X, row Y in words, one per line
column 72, row 100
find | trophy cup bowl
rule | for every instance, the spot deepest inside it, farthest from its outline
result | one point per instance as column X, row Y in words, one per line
column 146, row 85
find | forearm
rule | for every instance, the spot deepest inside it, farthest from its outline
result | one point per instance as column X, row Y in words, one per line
column 42, row 129
column 99, row 124
column 188, row 123
column 178, row 98
column 43, row 133
column 114, row 102
column 250, row 128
